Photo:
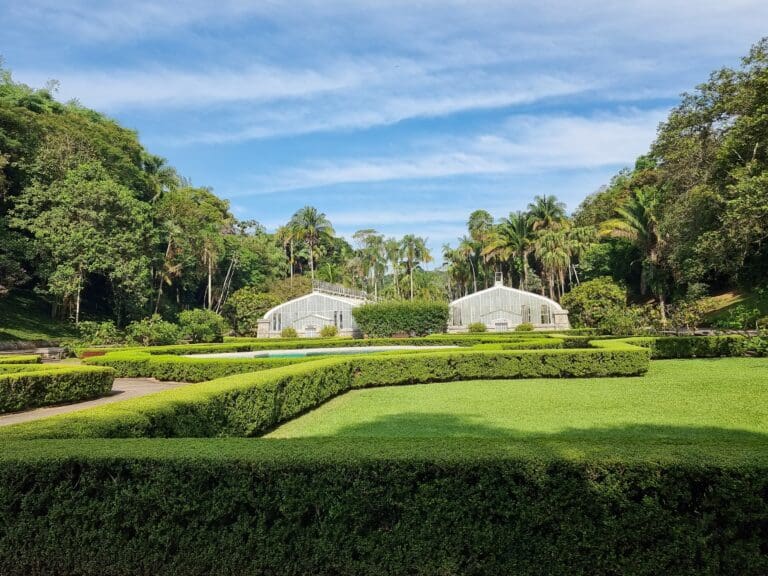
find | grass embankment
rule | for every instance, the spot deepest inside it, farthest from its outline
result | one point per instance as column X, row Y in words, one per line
column 720, row 304
column 24, row 317
column 720, row 401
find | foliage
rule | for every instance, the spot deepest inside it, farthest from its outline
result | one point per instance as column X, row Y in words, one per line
column 244, row 308
column 476, row 327
column 153, row 331
column 94, row 333
column 592, row 302
column 201, row 325
column 329, row 331
column 524, row 327
column 20, row 359
column 416, row 318
column 288, row 333
column 456, row 506
column 250, row 404
column 740, row 317
column 28, row 388
column 630, row 320
column 702, row 346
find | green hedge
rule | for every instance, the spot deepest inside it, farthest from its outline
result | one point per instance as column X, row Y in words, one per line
column 184, row 369
column 20, row 359
column 251, row 404
column 428, row 507
column 384, row 319
column 21, row 389
column 255, row 345
column 701, row 346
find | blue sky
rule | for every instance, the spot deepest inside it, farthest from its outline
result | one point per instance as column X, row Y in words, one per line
column 397, row 115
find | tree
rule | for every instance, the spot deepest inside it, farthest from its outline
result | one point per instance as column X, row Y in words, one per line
column 635, row 221
column 513, row 239
column 415, row 251
column 468, row 249
column 394, row 251
column 83, row 225
column 480, row 226
column 311, row 227
column 546, row 212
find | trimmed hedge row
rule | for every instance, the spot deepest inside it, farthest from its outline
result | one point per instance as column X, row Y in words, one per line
column 701, row 346
column 23, row 388
column 255, row 345
column 251, row 404
column 429, row 507
column 185, row 369
column 384, row 319
column 20, row 359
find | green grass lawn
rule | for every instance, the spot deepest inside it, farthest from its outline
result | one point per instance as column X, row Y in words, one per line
column 721, row 401
column 23, row 316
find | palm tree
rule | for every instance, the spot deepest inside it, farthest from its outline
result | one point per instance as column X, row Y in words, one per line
column 553, row 253
column 311, row 226
column 372, row 255
column 287, row 236
column 481, row 228
column 636, row 222
column 579, row 241
column 468, row 249
column 394, row 252
column 414, row 249
column 546, row 212
column 513, row 238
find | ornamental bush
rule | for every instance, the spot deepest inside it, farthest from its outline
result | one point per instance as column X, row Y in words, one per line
column 244, row 308
column 34, row 386
column 416, row 318
column 289, row 333
column 477, row 327
column 524, row 327
column 201, row 326
column 591, row 303
column 153, row 331
column 99, row 333
column 329, row 331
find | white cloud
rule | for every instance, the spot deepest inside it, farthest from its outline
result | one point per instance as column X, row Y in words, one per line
column 525, row 145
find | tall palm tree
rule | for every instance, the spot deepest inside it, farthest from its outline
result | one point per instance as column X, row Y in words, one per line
column 580, row 239
column 553, row 253
column 394, row 251
column 546, row 212
column 468, row 249
column 415, row 251
column 481, row 229
column 513, row 239
column 372, row 254
column 635, row 221
column 286, row 235
column 312, row 226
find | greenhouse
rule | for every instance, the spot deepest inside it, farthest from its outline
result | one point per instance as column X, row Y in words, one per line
column 502, row 308
column 327, row 305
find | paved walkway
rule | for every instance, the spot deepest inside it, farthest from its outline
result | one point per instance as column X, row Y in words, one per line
column 122, row 389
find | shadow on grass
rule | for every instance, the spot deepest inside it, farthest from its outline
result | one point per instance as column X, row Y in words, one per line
column 417, row 425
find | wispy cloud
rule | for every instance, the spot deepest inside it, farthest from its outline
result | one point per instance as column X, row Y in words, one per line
column 525, row 145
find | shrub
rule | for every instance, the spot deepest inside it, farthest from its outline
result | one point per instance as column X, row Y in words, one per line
column 250, row 404
column 701, row 346
column 417, row 318
column 20, row 359
column 591, row 303
column 132, row 364
column 201, row 325
column 153, row 331
column 288, row 333
column 524, row 327
column 329, row 331
column 738, row 318
column 425, row 506
column 40, row 386
column 99, row 333
column 244, row 308
column 477, row 327
column 630, row 320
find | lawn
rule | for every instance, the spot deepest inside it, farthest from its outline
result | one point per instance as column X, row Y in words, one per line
column 678, row 401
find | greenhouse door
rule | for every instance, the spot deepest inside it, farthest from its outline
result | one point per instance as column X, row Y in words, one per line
column 310, row 332
column 501, row 326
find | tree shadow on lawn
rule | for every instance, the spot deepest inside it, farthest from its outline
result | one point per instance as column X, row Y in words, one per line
column 630, row 436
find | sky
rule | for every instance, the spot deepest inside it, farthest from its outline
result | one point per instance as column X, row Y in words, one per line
column 402, row 116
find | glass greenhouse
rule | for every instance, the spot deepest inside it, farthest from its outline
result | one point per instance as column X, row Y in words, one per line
column 327, row 305
column 502, row 308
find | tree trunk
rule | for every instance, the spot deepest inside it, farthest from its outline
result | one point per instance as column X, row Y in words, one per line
column 77, row 301
column 410, row 271
column 312, row 262
column 474, row 276
column 210, row 282
column 291, row 263
column 160, row 287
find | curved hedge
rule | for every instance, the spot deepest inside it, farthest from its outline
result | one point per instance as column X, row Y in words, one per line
column 22, row 388
column 663, row 347
column 251, row 404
